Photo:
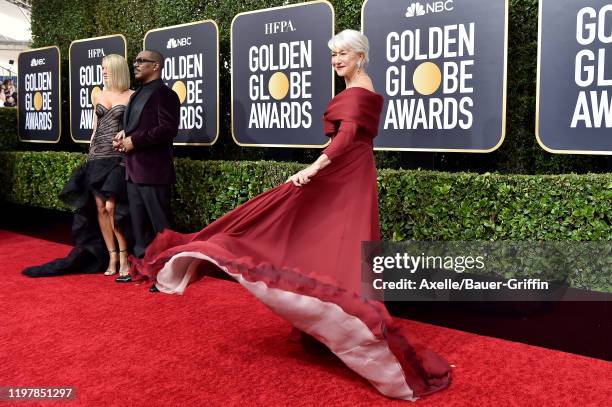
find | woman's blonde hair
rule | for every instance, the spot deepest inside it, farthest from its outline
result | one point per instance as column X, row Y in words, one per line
column 118, row 73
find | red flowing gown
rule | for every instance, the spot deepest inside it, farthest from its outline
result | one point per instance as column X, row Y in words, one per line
column 298, row 250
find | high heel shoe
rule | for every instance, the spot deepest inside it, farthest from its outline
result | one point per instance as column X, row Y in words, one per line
column 109, row 271
column 124, row 267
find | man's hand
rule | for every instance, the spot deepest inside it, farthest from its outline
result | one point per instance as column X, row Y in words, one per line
column 122, row 143
column 127, row 145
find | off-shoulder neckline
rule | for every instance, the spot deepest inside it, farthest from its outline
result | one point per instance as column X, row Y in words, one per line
column 362, row 88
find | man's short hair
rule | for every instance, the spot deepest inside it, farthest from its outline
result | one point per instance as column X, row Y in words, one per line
column 156, row 56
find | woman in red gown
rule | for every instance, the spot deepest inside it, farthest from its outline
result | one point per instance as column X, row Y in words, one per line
column 297, row 247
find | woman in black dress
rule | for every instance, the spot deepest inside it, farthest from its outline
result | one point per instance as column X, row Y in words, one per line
column 97, row 189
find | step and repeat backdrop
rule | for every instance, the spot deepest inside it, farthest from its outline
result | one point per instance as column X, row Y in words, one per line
column 282, row 79
column 191, row 69
column 441, row 66
column 39, row 97
column 574, row 97
column 85, row 61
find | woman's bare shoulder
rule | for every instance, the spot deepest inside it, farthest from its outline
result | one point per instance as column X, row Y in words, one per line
column 99, row 97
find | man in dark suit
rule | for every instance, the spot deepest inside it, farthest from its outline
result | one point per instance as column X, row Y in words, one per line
column 150, row 123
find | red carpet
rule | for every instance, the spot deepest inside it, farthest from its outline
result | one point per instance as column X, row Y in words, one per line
column 119, row 345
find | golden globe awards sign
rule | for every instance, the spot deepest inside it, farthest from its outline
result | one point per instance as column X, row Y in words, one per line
column 39, row 96
column 441, row 67
column 191, row 69
column 85, row 60
column 282, row 78
column 574, row 100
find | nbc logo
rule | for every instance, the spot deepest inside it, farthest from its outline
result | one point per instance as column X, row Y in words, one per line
column 175, row 43
column 417, row 9
column 37, row 62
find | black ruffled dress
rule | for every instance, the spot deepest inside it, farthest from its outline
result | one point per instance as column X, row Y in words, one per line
column 103, row 175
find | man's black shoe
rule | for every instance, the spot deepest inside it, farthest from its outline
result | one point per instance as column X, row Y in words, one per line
column 124, row 279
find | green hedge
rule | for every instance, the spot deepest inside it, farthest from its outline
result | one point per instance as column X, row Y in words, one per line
column 58, row 22
column 421, row 205
column 8, row 129
column 416, row 205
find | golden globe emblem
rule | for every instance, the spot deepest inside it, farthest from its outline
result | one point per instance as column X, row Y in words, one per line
column 278, row 86
column 427, row 78
column 94, row 92
column 181, row 90
column 38, row 101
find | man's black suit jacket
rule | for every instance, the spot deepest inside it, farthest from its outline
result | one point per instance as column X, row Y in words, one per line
column 152, row 121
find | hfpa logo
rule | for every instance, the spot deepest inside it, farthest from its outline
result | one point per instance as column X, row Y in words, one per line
column 417, row 9
column 180, row 42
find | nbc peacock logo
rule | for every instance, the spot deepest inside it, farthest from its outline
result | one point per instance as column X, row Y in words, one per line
column 37, row 62
column 178, row 42
column 171, row 43
column 416, row 8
